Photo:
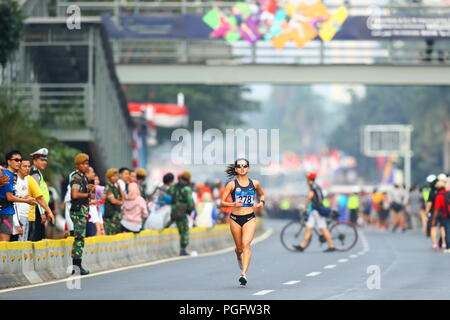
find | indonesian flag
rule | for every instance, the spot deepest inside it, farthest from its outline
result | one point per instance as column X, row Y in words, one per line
column 160, row 114
column 135, row 148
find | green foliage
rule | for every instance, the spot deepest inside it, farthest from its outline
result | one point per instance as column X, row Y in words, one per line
column 298, row 112
column 11, row 26
column 18, row 131
column 217, row 107
column 426, row 108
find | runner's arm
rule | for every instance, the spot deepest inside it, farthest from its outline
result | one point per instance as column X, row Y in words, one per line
column 223, row 203
column 260, row 192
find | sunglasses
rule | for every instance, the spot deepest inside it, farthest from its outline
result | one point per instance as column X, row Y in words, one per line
column 16, row 160
column 241, row 166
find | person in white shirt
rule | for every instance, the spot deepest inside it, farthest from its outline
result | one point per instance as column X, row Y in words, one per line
column 124, row 180
column 25, row 187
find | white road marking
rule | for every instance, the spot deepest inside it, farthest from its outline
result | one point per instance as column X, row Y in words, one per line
column 330, row 266
column 365, row 243
column 313, row 274
column 342, row 260
column 292, row 282
column 262, row 237
column 263, row 292
column 354, row 256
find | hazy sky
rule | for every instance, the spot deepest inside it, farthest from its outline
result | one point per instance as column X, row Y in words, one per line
column 336, row 92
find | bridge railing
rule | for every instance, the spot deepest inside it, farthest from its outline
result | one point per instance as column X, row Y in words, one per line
column 180, row 51
column 59, row 106
column 117, row 7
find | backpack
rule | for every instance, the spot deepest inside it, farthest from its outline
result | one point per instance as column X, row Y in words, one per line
column 324, row 211
column 180, row 206
column 446, row 211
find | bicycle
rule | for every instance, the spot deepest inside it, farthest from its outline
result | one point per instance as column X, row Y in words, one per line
column 344, row 234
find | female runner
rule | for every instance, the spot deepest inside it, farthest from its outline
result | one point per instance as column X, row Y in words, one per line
column 242, row 218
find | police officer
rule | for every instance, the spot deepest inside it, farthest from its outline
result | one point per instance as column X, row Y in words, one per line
column 81, row 192
column 37, row 227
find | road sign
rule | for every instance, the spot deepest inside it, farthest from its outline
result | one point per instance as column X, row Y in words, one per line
column 386, row 140
column 389, row 140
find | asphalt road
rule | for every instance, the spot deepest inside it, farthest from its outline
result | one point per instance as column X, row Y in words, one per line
column 383, row 265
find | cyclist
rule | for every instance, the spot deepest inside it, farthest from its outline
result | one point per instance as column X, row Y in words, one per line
column 315, row 197
column 242, row 217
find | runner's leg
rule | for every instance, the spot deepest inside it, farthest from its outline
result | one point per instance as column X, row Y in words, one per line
column 236, row 231
column 248, row 232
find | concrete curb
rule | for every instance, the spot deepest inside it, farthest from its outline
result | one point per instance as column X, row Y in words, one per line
column 25, row 263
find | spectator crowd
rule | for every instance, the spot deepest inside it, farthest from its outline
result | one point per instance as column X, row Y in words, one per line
column 30, row 209
column 425, row 208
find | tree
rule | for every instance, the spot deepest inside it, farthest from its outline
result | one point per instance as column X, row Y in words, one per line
column 426, row 108
column 19, row 132
column 11, row 26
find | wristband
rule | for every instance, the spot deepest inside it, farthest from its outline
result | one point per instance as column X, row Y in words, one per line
column 264, row 203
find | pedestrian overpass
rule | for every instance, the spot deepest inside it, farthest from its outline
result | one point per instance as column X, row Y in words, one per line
column 409, row 61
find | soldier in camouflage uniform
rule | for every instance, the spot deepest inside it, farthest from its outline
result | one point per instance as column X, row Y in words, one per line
column 141, row 174
column 113, row 203
column 81, row 193
column 182, row 205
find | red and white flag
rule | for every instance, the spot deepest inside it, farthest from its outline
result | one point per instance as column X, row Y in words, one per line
column 161, row 114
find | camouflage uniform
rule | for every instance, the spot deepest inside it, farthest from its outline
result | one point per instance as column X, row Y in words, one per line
column 184, row 196
column 79, row 214
column 112, row 223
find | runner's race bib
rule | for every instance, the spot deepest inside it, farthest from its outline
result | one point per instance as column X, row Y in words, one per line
column 247, row 197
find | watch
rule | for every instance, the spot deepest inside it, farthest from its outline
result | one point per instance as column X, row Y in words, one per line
column 264, row 203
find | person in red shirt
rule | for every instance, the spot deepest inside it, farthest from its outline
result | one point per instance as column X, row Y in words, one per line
column 441, row 216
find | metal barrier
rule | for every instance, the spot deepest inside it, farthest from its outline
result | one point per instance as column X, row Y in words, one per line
column 219, row 52
column 23, row 263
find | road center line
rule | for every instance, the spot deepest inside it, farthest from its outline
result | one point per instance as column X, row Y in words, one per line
column 330, row 266
column 313, row 274
column 353, row 256
column 342, row 260
column 262, row 292
column 292, row 282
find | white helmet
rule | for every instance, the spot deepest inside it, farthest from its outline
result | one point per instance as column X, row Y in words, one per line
column 442, row 177
column 431, row 178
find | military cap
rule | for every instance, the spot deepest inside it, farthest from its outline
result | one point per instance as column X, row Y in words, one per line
column 80, row 158
column 186, row 175
column 110, row 172
column 141, row 172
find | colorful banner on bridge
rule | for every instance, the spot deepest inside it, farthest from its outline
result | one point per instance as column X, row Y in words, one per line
column 298, row 22
column 276, row 22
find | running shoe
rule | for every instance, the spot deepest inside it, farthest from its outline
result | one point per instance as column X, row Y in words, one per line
column 435, row 246
column 446, row 251
column 243, row 280
column 298, row 248
column 330, row 250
